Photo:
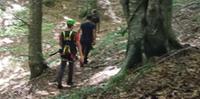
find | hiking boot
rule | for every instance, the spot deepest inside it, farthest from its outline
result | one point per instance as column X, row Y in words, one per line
column 85, row 61
column 60, row 87
column 70, row 83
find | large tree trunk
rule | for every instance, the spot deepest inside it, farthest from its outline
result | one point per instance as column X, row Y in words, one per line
column 35, row 46
column 167, row 11
column 134, row 10
column 149, row 29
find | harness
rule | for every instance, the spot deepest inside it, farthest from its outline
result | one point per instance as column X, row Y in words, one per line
column 69, row 46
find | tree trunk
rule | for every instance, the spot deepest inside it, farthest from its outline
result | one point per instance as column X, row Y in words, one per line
column 36, row 63
column 149, row 29
column 167, row 10
column 134, row 10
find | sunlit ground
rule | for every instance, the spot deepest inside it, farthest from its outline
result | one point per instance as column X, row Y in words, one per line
column 14, row 79
column 103, row 75
column 5, row 41
column 12, row 75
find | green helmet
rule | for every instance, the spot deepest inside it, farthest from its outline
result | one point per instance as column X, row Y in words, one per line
column 71, row 21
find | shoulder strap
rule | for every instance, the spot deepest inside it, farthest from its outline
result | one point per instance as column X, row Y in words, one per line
column 63, row 33
column 70, row 33
column 69, row 36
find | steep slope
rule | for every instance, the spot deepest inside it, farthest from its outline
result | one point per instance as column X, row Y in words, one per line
column 175, row 76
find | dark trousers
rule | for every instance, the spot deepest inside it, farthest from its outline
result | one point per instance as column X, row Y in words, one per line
column 62, row 69
column 86, row 48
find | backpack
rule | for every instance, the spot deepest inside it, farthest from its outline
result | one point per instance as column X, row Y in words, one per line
column 68, row 42
column 95, row 18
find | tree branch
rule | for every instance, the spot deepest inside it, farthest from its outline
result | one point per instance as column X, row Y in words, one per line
column 172, row 54
column 23, row 21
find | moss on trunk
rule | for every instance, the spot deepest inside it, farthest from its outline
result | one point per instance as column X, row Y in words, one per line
column 149, row 29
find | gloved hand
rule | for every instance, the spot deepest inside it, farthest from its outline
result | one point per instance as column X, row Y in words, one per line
column 60, row 50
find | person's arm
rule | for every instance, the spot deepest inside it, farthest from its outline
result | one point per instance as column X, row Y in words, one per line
column 61, row 39
column 98, row 24
column 98, row 27
column 61, row 42
column 78, row 44
column 79, row 33
column 94, row 36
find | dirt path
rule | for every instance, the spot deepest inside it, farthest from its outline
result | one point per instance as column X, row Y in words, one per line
column 14, row 73
column 15, row 80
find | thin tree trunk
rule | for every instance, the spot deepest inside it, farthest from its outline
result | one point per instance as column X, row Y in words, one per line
column 35, row 40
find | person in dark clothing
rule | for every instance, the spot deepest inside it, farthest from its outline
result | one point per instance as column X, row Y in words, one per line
column 88, row 37
column 96, row 19
column 69, row 41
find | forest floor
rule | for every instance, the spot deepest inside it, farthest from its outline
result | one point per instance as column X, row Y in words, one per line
column 102, row 65
column 175, row 76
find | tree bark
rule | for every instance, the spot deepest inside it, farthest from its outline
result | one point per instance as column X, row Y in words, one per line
column 134, row 10
column 167, row 10
column 149, row 29
column 36, row 61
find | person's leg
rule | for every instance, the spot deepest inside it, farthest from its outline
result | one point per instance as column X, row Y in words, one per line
column 70, row 73
column 88, row 47
column 84, row 51
column 61, row 73
column 83, row 47
column 57, row 72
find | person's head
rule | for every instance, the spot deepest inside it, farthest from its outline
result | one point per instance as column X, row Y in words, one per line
column 70, row 23
column 94, row 11
column 89, row 17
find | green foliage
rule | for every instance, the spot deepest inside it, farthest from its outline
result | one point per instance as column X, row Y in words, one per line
column 18, row 28
column 180, row 3
column 14, row 30
column 1, row 12
column 47, row 27
column 3, row 49
column 47, row 36
column 2, row 7
column 79, row 94
column 196, row 18
column 123, row 31
column 24, row 15
column 88, row 6
column 49, row 3
column 110, row 41
column 83, row 12
column 16, row 49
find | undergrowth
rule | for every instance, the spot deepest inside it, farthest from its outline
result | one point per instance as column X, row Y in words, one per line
column 110, row 42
